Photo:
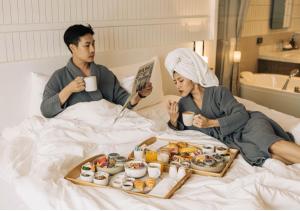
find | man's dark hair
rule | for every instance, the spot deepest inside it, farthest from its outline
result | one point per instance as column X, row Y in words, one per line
column 73, row 33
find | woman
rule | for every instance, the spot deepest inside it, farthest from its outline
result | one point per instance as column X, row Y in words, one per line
column 220, row 115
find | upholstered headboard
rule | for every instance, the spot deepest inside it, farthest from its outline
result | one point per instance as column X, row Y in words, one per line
column 15, row 86
column 126, row 32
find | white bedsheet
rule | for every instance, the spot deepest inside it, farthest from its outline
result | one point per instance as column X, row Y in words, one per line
column 35, row 156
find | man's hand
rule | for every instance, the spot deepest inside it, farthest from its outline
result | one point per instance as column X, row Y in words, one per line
column 203, row 122
column 147, row 90
column 77, row 85
column 143, row 93
column 173, row 111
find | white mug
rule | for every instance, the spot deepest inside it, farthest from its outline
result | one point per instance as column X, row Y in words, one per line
column 90, row 83
column 173, row 171
column 208, row 149
column 188, row 117
column 154, row 170
column 163, row 157
column 138, row 155
column 181, row 173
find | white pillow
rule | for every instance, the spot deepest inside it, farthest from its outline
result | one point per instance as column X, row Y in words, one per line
column 38, row 83
column 127, row 83
column 126, row 75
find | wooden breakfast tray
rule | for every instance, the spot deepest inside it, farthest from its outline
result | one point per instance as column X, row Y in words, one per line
column 233, row 153
column 73, row 176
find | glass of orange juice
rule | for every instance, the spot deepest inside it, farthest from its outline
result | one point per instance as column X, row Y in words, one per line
column 151, row 156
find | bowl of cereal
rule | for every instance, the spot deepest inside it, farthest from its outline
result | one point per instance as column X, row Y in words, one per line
column 135, row 169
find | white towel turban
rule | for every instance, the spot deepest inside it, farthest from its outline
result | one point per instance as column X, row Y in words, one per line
column 190, row 65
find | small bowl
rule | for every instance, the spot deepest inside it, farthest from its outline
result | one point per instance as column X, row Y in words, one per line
column 117, row 183
column 86, row 177
column 127, row 185
column 120, row 161
column 221, row 150
column 135, row 169
column 101, row 178
column 87, row 168
column 128, row 179
column 207, row 149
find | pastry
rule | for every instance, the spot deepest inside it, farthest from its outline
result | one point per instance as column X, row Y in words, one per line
column 187, row 150
column 150, row 182
column 173, row 148
column 200, row 158
column 139, row 185
column 182, row 144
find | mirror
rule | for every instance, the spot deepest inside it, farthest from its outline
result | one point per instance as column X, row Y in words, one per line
column 281, row 14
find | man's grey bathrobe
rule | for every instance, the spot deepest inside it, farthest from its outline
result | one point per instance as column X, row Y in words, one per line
column 107, row 83
column 250, row 132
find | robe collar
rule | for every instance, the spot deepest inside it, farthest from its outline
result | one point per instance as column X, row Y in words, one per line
column 75, row 71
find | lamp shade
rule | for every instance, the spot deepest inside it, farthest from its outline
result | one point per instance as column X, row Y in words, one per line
column 237, row 56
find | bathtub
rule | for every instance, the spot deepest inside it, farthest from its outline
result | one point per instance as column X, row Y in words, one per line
column 266, row 89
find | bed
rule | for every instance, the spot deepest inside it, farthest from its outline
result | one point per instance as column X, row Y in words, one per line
column 36, row 154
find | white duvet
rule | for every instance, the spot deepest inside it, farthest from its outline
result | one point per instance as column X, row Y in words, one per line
column 36, row 155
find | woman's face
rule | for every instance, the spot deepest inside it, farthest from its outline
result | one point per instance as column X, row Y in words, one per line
column 183, row 85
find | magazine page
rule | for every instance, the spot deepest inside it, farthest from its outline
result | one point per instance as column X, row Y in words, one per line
column 142, row 77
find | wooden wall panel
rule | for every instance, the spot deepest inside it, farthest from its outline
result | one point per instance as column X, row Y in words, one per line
column 32, row 29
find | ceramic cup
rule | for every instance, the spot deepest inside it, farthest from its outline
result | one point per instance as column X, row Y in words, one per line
column 173, row 171
column 163, row 156
column 181, row 173
column 90, row 83
column 221, row 150
column 154, row 170
column 127, row 185
column 208, row 149
column 138, row 154
column 188, row 117
column 101, row 178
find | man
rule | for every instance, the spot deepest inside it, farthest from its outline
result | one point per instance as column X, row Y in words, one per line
column 66, row 86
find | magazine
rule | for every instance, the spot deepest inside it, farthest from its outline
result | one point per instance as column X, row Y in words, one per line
column 142, row 77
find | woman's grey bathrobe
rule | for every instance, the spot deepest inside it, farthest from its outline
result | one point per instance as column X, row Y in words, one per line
column 250, row 132
column 107, row 83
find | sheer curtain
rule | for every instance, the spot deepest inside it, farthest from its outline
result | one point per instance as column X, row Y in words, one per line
column 231, row 18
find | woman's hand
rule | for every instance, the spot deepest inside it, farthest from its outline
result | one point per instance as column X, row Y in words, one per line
column 173, row 112
column 203, row 122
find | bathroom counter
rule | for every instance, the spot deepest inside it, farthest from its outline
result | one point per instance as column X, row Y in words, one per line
column 290, row 56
